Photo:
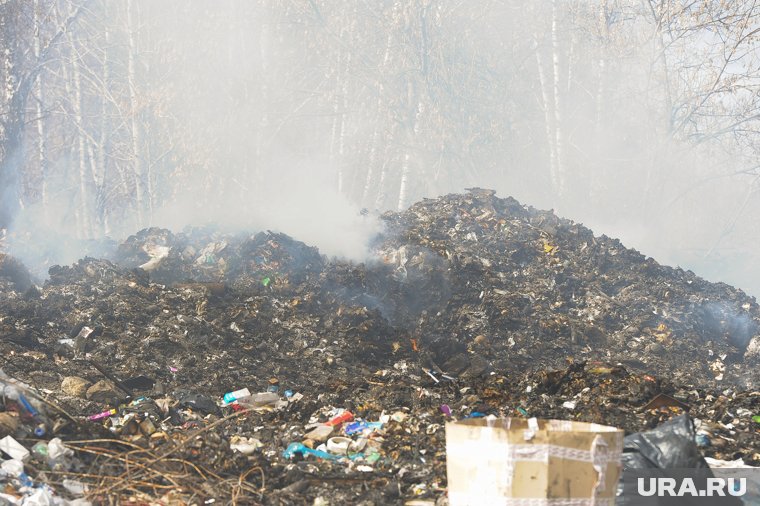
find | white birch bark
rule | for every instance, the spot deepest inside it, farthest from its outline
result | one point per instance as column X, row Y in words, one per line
column 342, row 129
column 404, row 180
column 84, row 230
column 337, row 120
column 102, row 156
column 548, row 119
column 599, row 172
column 264, row 121
column 558, row 132
column 374, row 148
column 41, row 144
column 412, row 139
column 137, row 140
column 600, row 91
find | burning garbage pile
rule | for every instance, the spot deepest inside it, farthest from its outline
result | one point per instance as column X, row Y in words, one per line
column 198, row 367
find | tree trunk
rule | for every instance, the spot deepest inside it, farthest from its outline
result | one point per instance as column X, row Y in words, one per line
column 15, row 90
column 137, row 140
column 41, row 144
column 373, row 149
column 342, row 129
column 264, row 93
column 604, row 36
column 412, row 140
column 559, row 138
column 12, row 126
column 102, row 157
column 338, row 127
column 84, row 230
column 548, row 119
column 598, row 174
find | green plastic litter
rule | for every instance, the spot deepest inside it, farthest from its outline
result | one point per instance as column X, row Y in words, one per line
column 522, row 411
column 756, row 418
column 266, row 281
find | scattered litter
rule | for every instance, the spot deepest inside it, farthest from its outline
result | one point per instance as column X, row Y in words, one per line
column 472, row 308
column 13, row 449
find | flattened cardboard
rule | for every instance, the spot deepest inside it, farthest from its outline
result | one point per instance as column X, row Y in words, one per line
column 509, row 461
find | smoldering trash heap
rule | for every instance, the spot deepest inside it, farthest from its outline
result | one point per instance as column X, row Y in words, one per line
column 115, row 369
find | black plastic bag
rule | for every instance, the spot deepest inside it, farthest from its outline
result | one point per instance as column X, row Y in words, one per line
column 668, row 451
column 669, row 446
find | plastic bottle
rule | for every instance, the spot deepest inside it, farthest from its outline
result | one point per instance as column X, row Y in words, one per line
column 15, row 394
column 40, row 450
column 12, row 392
column 28, row 405
column 357, row 427
column 231, row 397
column 259, row 400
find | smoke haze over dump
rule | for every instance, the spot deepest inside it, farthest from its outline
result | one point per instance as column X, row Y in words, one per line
column 638, row 119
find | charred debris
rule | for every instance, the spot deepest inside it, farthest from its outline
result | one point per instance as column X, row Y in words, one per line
column 472, row 305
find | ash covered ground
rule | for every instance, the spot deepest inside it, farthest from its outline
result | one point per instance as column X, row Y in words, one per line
column 475, row 305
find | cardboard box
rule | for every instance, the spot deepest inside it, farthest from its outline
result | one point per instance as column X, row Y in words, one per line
column 517, row 461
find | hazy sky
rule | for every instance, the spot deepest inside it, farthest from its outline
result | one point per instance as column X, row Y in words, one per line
column 293, row 116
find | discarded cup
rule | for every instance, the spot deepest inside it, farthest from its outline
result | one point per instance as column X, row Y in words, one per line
column 339, row 445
